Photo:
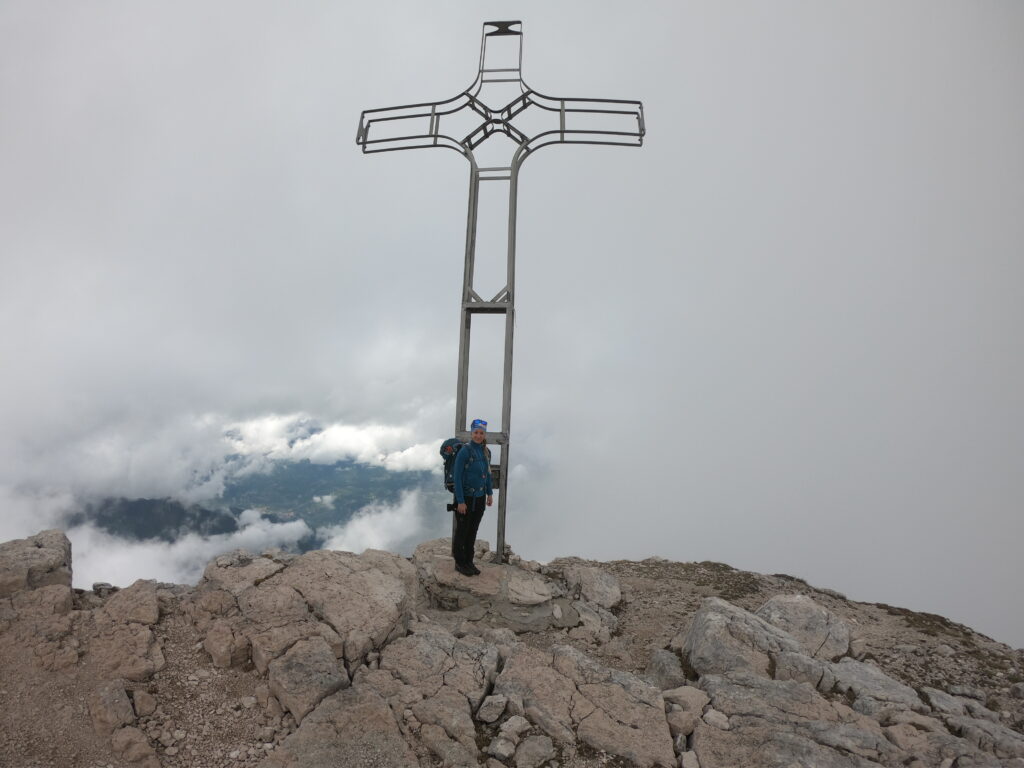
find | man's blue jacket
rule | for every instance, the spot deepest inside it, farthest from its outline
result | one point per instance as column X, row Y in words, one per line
column 472, row 475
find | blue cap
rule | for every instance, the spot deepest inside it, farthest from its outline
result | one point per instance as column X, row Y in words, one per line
column 478, row 424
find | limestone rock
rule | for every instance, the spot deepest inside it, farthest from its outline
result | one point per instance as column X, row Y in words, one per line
column 129, row 651
column 870, row 684
column 987, row 736
column 681, row 722
column 448, row 709
column 226, row 647
column 822, row 634
column 570, row 696
column 132, row 746
column 432, row 657
column 519, row 599
column 723, row 637
column 352, row 727
column 452, row 753
column 534, row 751
column 236, row 571
column 137, row 603
column 305, row 675
column 366, row 604
column 664, row 670
column 689, row 698
column 593, row 585
column 110, row 708
column 796, row 666
column 491, row 709
column 37, row 561
column 145, row 704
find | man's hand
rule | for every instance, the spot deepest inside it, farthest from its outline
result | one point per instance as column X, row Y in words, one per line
column 461, row 509
column 490, row 500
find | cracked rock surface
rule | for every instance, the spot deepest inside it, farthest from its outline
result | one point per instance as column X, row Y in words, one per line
column 284, row 660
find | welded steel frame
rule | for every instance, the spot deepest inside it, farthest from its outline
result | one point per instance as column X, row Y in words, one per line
column 431, row 115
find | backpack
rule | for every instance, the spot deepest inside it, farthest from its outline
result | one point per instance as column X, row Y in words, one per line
column 449, row 450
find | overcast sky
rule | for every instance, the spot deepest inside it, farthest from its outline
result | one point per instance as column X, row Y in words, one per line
column 785, row 334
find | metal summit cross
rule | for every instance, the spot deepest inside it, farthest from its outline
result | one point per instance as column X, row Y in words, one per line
column 497, row 104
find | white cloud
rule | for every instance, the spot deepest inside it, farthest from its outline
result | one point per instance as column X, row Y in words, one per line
column 380, row 526
column 327, row 500
column 99, row 556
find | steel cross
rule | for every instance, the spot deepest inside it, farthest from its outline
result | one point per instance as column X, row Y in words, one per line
column 542, row 120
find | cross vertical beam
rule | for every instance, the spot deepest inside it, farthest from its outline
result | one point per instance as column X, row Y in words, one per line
column 531, row 120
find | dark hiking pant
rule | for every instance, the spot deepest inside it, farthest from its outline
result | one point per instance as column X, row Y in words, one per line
column 466, row 527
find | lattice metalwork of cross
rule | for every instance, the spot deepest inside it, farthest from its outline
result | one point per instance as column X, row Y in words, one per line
column 465, row 123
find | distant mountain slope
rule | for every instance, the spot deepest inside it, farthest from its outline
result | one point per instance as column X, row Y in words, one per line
column 319, row 494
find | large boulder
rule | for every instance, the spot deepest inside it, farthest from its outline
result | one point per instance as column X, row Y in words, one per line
column 570, row 697
column 110, row 707
column 137, row 603
column 593, row 585
column 353, row 727
column 431, row 657
column 37, row 561
column 821, row 633
column 872, row 689
column 305, row 675
column 723, row 637
column 366, row 600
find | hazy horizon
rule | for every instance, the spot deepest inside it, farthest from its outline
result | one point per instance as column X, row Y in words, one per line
column 784, row 334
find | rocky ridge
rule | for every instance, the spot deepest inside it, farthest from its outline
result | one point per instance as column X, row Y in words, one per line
column 330, row 658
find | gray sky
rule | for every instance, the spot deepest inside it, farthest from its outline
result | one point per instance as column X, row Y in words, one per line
column 784, row 334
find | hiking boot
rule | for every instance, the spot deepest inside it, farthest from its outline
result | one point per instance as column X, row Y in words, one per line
column 464, row 570
column 474, row 569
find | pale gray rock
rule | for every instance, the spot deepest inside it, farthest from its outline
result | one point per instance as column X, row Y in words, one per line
column 689, row 760
column 491, row 709
column 353, row 727
column 365, row 600
column 38, row 561
column 801, row 668
column 514, row 727
column 767, row 746
column 227, row 648
column 432, row 657
column 501, row 748
column 272, row 604
column 534, row 751
column 968, row 691
column 761, row 709
column 137, row 603
column 691, row 699
column 1017, row 690
column 987, row 736
column 717, row 719
column 451, row 752
column 129, row 651
column 681, row 722
column 664, row 670
column 449, row 710
column 236, row 571
column 145, row 704
column 724, row 637
column 517, row 598
column 110, row 707
column 570, row 696
column 942, row 702
column 305, row 675
column 821, row 633
column 131, row 745
column 593, row 585
column 865, row 681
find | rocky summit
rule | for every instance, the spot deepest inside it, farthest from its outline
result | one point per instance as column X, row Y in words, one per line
column 277, row 660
